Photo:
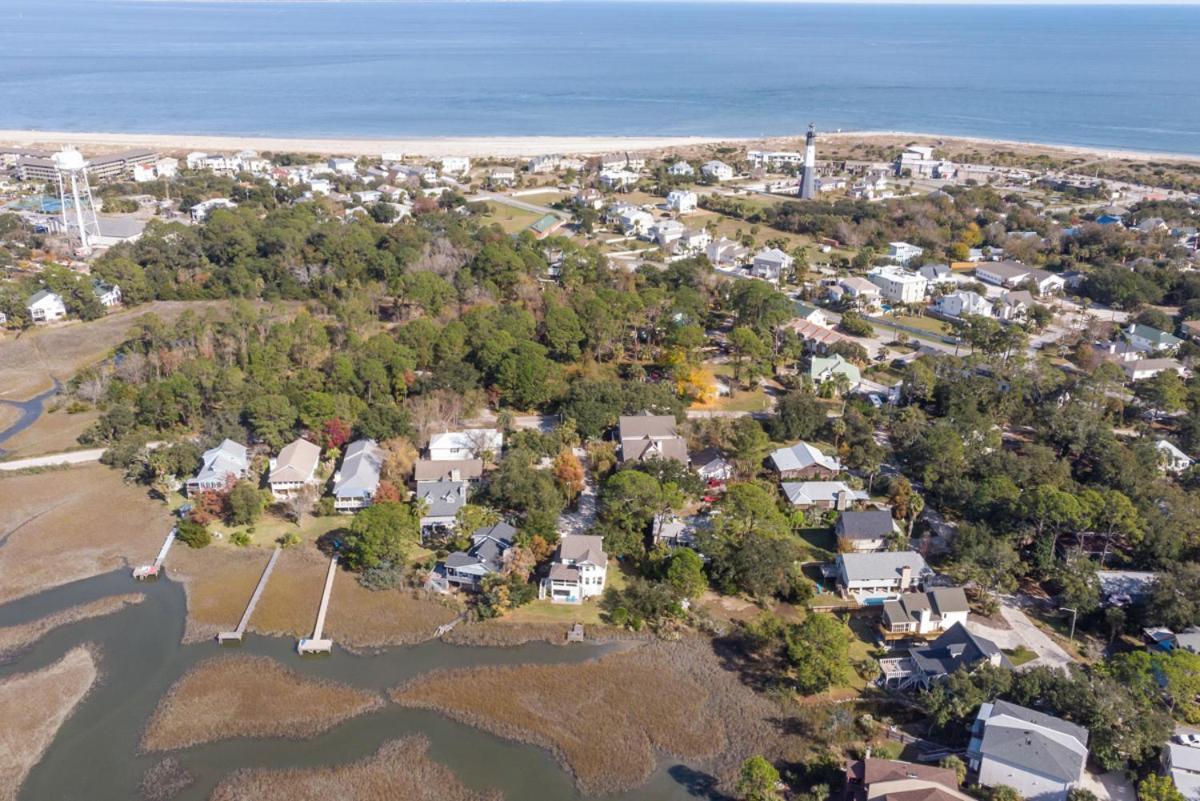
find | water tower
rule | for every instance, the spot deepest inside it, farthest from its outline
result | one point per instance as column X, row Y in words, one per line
column 73, row 184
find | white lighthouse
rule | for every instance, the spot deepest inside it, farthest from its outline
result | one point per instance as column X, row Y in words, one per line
column 73, row 186
column 808, row 180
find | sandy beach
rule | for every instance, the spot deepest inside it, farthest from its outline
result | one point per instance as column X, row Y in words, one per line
column 523, row 146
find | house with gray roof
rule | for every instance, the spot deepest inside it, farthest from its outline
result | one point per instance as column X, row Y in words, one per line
column 294, row 469
column 442, row 501
column 578, row 571
column 956, row 649
column 485, row 557
column 1040, row 756
column 651, row 436
column 447, row 469
column 822, row 494
column 355, row 483
column 873, row 578
column 866, row 530
column 1183, row 764
column 226, row 463
column 804, row 461
column 921, row 614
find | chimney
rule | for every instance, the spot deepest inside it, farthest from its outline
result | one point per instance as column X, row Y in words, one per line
column 905, row 577
column 926, row 616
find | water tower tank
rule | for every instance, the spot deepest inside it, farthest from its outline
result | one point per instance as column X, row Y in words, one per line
column 68, row 159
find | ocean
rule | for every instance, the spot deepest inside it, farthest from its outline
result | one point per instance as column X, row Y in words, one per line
column 1119, row 77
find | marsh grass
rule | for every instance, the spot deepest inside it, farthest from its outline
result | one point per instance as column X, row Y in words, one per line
column 400, row 771
column 16, row 638
column 248, row 696
column 34, row 707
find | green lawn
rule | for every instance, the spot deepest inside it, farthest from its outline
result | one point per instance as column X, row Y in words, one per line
column 1019, row 655
column 924, row 323
column 512, row 220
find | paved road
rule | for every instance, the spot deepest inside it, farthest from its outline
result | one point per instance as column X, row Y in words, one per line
column 1023, row 632
column 54, row 459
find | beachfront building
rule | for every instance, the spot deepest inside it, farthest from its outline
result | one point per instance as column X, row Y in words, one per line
column 455, row 165
column 716, row 170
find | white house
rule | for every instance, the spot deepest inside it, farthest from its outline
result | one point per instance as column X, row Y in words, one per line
column 806, row 461
column 770, row 264
column 1183, row 763
column 543, row 164
column 723, row 252
column 681, row 169
column 693, row 242
column 922, row 614
column 667, row 232
column 822, row 494
column 774, row 158
column 682, row 200
column 873, row 578
column 960, row 304
column 109, row 295
column 717, row 170
column 1013, row 274
column 455, row 165
column 469, row 444
column 1171, row 458
column 201, row 210
column 1038, row 755
column 342, row 166
column 635, row 222
column 294, row 469
column 46, row 307
column 1151, row 340
column 220, row 465
column 903, row 252
column 578, row 571
column 616, row 180
column 863, row 292
column 898, row 285
column 810, row 313
column 355, row 484
column 502, row 176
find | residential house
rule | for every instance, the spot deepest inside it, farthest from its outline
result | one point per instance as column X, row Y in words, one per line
column 682, row 201
column 956, row 649
column 589, row 198
column 711, row 465
column 903, row 252
column 827, row 368
column 724, row 252
column 770, row 264
column 672, row 531
column 873, row 578
column 716, row 170
column 1190, row 329
column 1013, row 274
column 1182, row 763
column 109, row 295
column 485, row 556
column 447, row 469
column 502, row 176
column 471, row 443
column 1141, row 369
column 651, row 436
column 546, row 225
column 355, row 483
column 543, row 164
column 616, row 180
column 693, row 242
column 220, row 466
column 1171, row 458
column 1015, row 306
column 667, row 232
column 46, row 307
column 804, row 461
column 891, row 780
column 937, row 274
column 865, row 531
column 342, row 166
column 578, row 570
column 961, row 304
column 635, row 222
column 1152, row 340
column 922, row 614
column 442, row 500
column 898, row 285
column 681, row 169
column 823, row 495
column 810, row 313
column 864, row 293
column 1038, row 755
column 830, row 183
column 201, row 210
column 774, row 159
column 294, row 469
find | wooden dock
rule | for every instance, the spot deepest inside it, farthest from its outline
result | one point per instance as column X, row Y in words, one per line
column 316, row 644
column 151, row 570
column 236, row 634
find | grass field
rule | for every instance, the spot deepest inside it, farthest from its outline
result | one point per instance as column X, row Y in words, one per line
column 249, row 696
column 1019, row 655
column 34, row 707
column 60, row 526
column 511, row 219
column 401, row 769
column 930, row 324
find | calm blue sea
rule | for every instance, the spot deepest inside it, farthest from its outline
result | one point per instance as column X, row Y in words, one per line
column 1106, row 76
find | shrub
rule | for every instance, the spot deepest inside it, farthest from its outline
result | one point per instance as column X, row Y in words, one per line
column 240, row 538
column 193, row 534
column 386, row 576
column 289, row 540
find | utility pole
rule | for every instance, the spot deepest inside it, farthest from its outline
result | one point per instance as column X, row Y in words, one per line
column 1074, row 614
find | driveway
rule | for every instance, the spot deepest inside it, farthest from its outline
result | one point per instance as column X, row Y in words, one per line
column 1023, row 632
column 54, row 459
column 581, row 519
column 1112, row 786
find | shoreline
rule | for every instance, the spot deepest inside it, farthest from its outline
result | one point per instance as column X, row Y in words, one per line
column 507, row 147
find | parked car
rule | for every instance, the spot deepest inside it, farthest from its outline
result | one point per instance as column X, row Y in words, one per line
column 1188, row 739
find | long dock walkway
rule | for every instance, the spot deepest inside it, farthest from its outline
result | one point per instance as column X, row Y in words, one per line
column 151, row 570
column 315, row 644
column 236, row 634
